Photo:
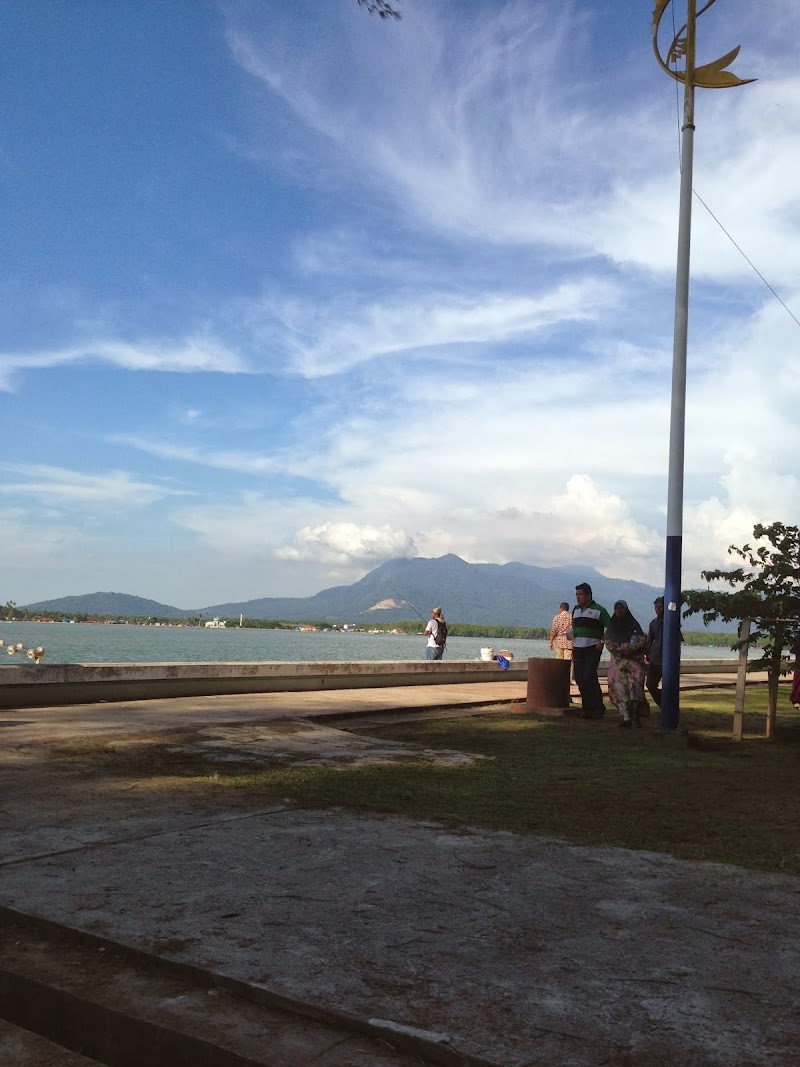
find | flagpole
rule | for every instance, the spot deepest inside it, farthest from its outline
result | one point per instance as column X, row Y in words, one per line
column 710, row 76
column 670, row 699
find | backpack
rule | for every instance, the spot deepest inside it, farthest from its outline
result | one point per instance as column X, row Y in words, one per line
column 440, row 637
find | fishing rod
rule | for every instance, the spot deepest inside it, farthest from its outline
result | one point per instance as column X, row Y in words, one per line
column 410, row 605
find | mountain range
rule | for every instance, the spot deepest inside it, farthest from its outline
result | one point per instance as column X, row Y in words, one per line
column 510, row 594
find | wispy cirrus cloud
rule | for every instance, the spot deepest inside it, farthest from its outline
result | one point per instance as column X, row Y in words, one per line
column 190, row 356
column 219, row 458
column 504, row 130
column 332, row 338
column 59, row 487
column 24, row 539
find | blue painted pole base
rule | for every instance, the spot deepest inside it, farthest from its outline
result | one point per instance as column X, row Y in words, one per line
column 671, row 681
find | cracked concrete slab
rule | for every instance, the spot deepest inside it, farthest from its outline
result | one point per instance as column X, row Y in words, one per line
column 521, row 950
column 309, row 744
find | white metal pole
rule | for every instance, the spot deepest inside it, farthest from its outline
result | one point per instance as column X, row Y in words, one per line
column 670, row 701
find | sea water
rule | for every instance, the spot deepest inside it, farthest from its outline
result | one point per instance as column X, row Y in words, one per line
column 98, row 643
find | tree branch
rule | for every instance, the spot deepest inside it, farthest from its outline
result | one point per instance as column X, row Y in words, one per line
column 380, row 8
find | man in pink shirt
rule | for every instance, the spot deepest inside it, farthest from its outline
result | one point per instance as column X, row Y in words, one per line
column 559, row 640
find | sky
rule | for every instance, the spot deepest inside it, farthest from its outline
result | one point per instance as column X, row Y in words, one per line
column 290, row 290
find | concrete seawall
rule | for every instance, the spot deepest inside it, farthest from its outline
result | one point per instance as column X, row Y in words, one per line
column 82, row 683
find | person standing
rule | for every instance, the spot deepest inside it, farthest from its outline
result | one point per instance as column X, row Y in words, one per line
column 589, row 622
column 626, row 643
column 559, row 633
column 436, row 632
column 655, row 651
column 795, row 694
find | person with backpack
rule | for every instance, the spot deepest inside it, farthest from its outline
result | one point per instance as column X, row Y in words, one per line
column 436, row 632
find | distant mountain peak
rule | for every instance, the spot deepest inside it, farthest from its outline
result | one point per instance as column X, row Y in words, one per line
column 115, row 604
column 511, row 594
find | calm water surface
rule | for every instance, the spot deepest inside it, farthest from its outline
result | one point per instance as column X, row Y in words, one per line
column 91, row 643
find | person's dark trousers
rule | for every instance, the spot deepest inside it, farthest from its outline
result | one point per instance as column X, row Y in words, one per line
column 653, row 681
column 584, row 664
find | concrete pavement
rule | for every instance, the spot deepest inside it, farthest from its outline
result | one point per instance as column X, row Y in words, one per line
column 59, row 722
column 435, row 945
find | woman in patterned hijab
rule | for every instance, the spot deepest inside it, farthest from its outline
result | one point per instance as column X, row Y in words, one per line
column 627, row 644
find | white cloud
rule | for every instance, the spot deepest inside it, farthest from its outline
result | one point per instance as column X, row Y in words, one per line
column 250, row 526
column 325, row 340
column 348, row 542
column 59, row 487
column 503, row 130
column 27, row 542
column 574, row 524
column 713, row 526
column 190, row 356
column 218, row 458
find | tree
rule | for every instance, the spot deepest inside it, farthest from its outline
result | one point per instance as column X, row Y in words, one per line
column 768, row 594
column 380, row 8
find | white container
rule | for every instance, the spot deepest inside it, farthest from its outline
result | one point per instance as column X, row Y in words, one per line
column 487, row 653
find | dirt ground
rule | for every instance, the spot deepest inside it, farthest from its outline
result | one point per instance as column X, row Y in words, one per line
column 509, row 950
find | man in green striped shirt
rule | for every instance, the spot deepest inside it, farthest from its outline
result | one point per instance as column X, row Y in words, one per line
column 589, row 622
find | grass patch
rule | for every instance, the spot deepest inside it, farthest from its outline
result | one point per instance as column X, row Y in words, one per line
column 587, row 783
column 143, row 757
column 590, row 783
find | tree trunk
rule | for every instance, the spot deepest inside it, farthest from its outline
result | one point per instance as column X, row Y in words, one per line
column 741, row 680
column 774, row 677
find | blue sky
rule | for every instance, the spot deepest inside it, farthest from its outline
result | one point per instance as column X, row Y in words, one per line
column 290, row 291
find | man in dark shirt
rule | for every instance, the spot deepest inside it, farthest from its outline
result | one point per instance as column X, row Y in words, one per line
column 655, row 651
column 589, row 622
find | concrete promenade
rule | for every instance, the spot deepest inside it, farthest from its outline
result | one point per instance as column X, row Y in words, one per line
column 60, row 722
column 268, row 934
column 80, row 683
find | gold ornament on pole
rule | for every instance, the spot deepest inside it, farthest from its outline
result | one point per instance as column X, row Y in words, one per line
column 710, row 75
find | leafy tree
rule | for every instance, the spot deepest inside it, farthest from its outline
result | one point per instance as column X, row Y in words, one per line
column 766, row 589
column 380, row 8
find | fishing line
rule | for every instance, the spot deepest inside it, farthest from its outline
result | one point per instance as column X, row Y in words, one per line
column 409, row 604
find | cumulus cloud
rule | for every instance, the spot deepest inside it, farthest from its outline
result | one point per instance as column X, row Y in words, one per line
column 267, row 537
column 339, row 542
column 578, row 522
